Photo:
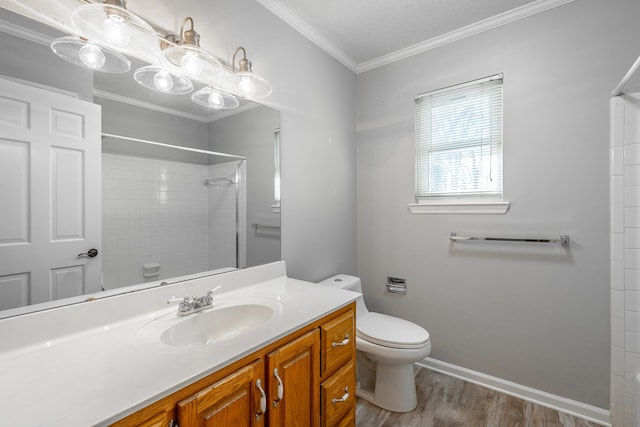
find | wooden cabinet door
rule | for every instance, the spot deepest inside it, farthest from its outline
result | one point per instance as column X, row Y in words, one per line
column 294, row 371
column 232, row 401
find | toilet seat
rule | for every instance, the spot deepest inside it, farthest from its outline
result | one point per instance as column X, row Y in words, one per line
column 389, row 331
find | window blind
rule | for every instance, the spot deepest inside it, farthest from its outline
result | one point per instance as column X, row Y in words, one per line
column 459, row 140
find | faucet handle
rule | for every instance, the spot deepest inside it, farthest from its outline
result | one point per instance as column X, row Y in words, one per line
column 185, row 303
column 208, row 299
column 180, row 299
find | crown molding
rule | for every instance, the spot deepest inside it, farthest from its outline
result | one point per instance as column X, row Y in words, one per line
column 212, row 117
column 25, row 33
column 461, row 33
column 147, row 105
column 284, row 13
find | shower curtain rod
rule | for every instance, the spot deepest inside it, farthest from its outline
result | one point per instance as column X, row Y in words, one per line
column 161, row 144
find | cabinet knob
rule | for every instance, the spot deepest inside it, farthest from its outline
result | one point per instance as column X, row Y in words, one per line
column 263, row 400
column 344, row 397
column 342, row 343
column 280, row 388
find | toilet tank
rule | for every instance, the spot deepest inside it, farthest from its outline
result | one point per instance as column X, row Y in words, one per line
column 348, row 283
column 343, row 281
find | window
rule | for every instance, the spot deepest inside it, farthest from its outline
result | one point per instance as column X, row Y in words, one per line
column 459, row 144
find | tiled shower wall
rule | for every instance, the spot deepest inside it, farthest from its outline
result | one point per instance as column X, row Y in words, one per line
column 625, row 257
column 154, row 212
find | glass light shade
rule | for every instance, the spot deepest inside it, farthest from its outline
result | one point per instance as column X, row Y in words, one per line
column 90, row 55
column 211, row 98
column 247, row 85
column 157, row 78
column 191, row 61
column 108, row 24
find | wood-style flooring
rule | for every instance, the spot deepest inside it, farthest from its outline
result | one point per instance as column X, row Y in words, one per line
column 444, row 401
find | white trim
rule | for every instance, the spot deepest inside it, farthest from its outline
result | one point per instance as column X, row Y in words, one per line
column 481, row 207
column 559, row 403
column 277, row 8
column 25, row 33
column 461, row 33
column 284, row 13
column 154, row 107
column 41, row 86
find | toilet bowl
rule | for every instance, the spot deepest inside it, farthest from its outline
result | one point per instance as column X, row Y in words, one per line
column 387, row 348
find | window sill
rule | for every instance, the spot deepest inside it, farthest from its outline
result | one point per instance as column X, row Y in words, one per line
column 475, row 207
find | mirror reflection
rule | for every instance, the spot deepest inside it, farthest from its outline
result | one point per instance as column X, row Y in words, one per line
column 158, row 186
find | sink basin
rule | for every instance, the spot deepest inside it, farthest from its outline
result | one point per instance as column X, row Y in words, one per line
column 228, row 318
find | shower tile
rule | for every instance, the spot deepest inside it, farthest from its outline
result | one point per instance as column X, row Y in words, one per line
column 616, row 187
column 616, row 132
column 617, row 275
column 631, row 362
column 632, row 216
column 617, row 247
column 632, row 195
column 632, row 238
column 631, row 173
column 632, row 279
column 616, row 157
column 616, row 219
column 617, row 388
column 632, row 321
column 632, row 151
column 632, row 300
column 617, row 332
column 617, row 304
column 632, row 258
column 617, row 360
column 632, row 341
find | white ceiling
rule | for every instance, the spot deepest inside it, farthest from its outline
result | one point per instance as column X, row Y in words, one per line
column 364, row 34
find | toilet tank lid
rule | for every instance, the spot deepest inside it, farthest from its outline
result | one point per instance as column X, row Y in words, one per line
column 342, row 281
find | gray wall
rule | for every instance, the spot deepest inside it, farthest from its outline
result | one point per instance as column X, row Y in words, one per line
column 251, row 134
column 535, row 315
column 26, row 60
column 315, row 95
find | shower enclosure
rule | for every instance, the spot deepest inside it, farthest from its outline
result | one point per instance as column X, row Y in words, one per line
column 169, row 211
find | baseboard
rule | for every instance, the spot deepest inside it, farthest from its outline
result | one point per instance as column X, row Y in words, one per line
column 568, row 406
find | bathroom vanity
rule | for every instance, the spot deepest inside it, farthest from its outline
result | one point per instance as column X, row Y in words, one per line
column 271, row 351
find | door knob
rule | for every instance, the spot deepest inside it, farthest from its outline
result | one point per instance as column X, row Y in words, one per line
column 90, row 253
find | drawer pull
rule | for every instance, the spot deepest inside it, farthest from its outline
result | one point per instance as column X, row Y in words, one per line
column 263, row 399
column 344, row 397
column 342, row 343
column 280, row 388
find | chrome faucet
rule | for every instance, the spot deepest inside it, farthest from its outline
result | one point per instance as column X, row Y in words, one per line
column 189, row 305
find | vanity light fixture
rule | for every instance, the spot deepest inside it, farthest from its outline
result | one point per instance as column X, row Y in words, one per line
column 90, row 55
column 188, row 58
column 212, row 98
column 245, row 83
column 108, row 22
column 161, row 80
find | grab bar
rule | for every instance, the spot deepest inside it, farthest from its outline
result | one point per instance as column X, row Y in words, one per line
column 274, row 227
column 563, row 240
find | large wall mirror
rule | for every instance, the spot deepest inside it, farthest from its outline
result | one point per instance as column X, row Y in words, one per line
column 161, row 188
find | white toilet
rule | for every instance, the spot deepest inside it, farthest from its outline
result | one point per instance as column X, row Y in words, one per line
column 387, row 347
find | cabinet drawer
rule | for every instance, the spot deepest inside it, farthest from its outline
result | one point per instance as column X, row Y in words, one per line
column 338, row 396
column 348, row 421
column 338, row 342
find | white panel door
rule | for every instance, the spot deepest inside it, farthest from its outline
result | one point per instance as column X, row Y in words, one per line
column 50, row 195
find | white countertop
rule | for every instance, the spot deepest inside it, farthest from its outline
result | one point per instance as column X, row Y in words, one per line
column 98, row 375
